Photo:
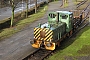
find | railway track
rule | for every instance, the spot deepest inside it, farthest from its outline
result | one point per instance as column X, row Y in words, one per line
column 81, row 27
column 82, row 24
column 87, row 15
column 81, row 3
column 86, row 8
column 41, row 54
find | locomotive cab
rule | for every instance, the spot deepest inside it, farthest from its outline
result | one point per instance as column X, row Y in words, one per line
column 61, row 16
column 66, row 17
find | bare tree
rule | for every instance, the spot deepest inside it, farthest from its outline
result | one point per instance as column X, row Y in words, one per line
column 35, row 6
column 13, row 6
column 3, row 3
column 27, row 9
column 63, row 2
column 76, row 0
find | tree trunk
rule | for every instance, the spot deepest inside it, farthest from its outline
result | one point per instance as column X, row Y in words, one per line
column 27, row 9
column 12, row 19
column 63, row 2
column 76, row 0
column 35, row 6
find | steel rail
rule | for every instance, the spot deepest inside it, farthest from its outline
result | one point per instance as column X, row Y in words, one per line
column 81, row 3
column 85, row 8
column 40, row 54
column 86, row 14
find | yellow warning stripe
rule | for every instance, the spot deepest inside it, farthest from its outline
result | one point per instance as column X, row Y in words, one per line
column 48, row 33
column 37, row 30
column 48, row 36
column 46, row 30
column 37, row 33
column 38, row 36
column 43, row 29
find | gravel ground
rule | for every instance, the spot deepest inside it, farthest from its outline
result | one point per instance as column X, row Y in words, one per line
column 18, row 46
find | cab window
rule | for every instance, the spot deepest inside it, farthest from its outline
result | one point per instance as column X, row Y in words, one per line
column 64, row 16
column 52, row 15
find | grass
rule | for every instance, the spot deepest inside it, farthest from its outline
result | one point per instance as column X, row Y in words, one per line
column 75, row 47
column 23, row 23
column 78, row 1
column 65, row 4
column 75, row 2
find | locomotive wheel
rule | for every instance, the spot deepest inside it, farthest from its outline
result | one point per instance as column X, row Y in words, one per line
column 71, row 32
column 64, row 36
column 68, row 35
column 58, row 43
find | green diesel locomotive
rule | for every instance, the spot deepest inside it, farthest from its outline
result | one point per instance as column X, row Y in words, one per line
column 49, row 35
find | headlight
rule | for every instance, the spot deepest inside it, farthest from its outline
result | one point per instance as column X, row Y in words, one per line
column 48, row 44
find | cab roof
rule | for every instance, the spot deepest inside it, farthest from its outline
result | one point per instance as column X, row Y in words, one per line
column 65, row 12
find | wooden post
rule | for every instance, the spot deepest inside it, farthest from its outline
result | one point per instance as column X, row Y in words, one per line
column 66, row 1
column 35, row 6
column 63, row 2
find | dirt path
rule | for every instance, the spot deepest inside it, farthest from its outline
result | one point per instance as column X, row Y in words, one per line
column 18, row 46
